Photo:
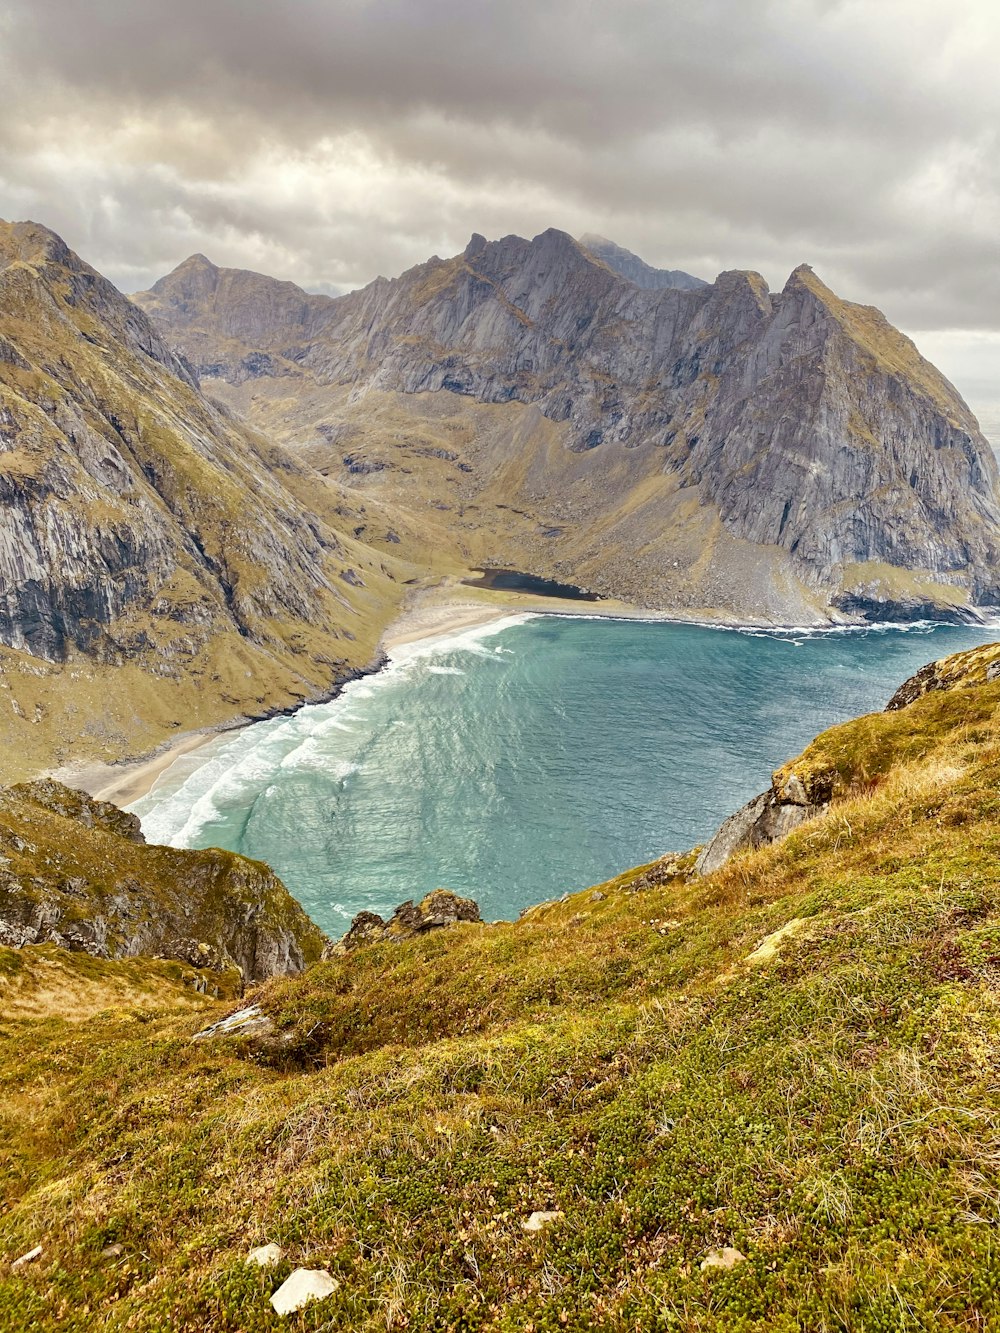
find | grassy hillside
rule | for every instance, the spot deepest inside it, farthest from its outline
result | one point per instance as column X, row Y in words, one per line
column 795, row 1057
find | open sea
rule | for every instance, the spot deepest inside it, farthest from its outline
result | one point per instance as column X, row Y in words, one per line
column 534, row 755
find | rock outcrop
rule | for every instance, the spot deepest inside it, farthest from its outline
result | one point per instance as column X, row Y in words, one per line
column 767, row 818
column 78, row 873
column 978, row 666
column 840, row 761
column 435, row 911
column 773, row 454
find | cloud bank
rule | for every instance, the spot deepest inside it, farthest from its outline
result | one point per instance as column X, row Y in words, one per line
column 328, row 141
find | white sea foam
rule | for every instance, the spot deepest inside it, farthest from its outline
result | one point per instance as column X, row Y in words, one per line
column 227, row 774
column 990, row 620
column 463, row 640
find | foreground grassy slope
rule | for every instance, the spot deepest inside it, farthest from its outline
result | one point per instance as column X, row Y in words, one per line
column 796, row 1056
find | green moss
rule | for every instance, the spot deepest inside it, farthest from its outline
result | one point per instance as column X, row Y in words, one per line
column 895, row 583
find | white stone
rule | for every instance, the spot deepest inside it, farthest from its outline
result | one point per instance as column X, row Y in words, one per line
column 728, row 1257
column 28, row 1258
column 248, row 1022
column 266, row 1256
column 303, row 1286
column 541, row 1219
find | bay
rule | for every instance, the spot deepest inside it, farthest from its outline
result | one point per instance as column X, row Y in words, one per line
column 519, row 760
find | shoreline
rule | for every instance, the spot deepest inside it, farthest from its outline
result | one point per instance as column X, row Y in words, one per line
column 437, row 612
column 125, row 782
column 440, row 611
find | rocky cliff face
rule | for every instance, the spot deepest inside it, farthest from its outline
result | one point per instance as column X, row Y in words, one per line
column 78, row 873
column 142, row 526
column 728, row 426
column 120, row 484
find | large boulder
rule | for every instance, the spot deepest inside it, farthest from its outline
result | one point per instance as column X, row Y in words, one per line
column 791, row 800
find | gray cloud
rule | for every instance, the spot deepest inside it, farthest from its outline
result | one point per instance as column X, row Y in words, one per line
column 330, row 141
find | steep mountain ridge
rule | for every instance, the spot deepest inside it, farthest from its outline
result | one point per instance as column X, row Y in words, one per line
column 795, row 424
column 148, row 539
column 630, row 266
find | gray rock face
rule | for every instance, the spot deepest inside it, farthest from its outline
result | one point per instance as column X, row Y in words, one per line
column 129, row 505
column 810, row 426
column 77, row 873
column 767, row 818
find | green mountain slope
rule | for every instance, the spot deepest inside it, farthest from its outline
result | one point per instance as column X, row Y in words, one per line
column 794, row 1057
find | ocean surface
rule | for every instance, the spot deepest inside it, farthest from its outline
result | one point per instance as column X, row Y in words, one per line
column 525, row 758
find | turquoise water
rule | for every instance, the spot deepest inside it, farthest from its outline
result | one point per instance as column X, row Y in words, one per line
column 534, row 756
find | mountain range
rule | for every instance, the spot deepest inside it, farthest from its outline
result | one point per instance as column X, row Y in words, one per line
column 217, row 494
column 703, row 448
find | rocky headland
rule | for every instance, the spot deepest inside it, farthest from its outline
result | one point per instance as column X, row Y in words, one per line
column 79, row 874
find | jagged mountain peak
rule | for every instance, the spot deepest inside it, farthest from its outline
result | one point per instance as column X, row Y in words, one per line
column 198, row 260
column 550, row 245
column 804, row 276
column 889, row 349
column 236, row 302
column 32, row 243
column 47, row 285
column 196, row 268
column 801, row 422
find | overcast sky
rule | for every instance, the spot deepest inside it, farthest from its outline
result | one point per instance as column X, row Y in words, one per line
column 328, row 141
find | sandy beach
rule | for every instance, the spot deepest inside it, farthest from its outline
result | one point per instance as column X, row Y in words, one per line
column 452, row 607
column 125, row 782
column 440, row 612
column 432, row 619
